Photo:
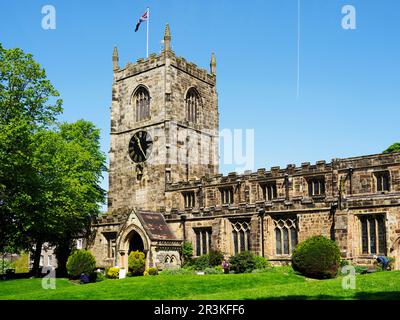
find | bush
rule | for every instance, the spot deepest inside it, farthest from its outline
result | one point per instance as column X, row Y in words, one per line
column 262, row 263
column 21, row 265
column 136, row 263
column 5, row 265
column 243, row 262
column 202, row 262
column 215, row 270
column 189, row 267
column 151, row 272
column 173, row 272
column 344, row 263
column 317, row 257
column 187, row 252
column 99, row 277
column 113, row 273
column 360, row 269
column 81, row 261
column 215, row 258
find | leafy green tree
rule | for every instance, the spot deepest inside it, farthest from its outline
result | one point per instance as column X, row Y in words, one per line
column 28, row 103
column 70, row 163
column 393, row 148
column 49, row 175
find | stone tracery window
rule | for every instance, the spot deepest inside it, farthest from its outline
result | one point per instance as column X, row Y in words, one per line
column 142, row 100
column 285, row 235
column 373, row 240
column 192, row 103
column 241, row 236
column 203, row 240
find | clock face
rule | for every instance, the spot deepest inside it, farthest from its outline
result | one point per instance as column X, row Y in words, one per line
column 140, row 146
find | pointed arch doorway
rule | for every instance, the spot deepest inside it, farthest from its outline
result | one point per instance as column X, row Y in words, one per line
column 136, row 243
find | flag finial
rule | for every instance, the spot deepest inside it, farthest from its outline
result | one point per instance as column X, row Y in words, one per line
column 213, row 64
column 115, row 59
column 167, row 38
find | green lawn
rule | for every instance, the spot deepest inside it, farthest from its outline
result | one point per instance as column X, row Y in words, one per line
column 277, row 284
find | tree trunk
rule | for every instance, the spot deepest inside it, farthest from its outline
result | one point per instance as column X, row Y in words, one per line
column 62, row 251
column 36, row 258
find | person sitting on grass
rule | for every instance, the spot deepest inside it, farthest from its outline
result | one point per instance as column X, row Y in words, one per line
column 382, row 260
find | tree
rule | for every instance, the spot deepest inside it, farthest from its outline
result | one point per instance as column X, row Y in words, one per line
column 49, row 174
column 70, row 164
column 28, row 102
column 393, row 148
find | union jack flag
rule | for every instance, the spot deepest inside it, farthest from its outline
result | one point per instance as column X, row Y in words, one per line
column 144, row 17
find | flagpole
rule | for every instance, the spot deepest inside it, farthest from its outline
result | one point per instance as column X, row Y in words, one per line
column 147, row 37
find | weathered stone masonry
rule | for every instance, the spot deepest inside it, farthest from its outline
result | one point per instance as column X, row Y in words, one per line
column 172, row 196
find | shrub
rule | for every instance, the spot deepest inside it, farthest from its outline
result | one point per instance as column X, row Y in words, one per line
column 344, row 262
column 360, row 269
column 150, row 272
column 80, row 261
column 317, row 257
column 5, row 265
column 187, row 252
column 215, row 258
column 136, row 263
column 202, row 262
column 242, row 262
column 113, row 273
column 99, row 277
column 215, row 270
column 262, row 263
column 189, row 267
column 172, row 272
column 21, row 265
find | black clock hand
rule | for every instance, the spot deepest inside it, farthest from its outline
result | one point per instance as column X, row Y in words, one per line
column 140, row 147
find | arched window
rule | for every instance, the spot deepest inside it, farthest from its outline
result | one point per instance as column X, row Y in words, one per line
column 192, row 103
column 285, row 236
column 142, row 100
column 241, row 236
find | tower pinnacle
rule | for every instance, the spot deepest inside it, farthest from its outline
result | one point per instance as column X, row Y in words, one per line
column 115, row 59
column 213, row 64
column 167, row 38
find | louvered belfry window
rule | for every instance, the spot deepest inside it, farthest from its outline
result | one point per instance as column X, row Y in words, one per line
column 192, row 104
column 142, row 98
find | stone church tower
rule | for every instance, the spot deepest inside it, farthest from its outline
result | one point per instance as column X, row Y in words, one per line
column 164, row 127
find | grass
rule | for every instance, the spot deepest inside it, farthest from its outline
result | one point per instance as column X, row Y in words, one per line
column 277, row 284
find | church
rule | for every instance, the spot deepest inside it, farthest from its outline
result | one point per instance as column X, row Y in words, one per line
column 165, row 187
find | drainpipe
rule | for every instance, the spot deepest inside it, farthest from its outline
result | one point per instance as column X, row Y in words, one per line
column 261, row 213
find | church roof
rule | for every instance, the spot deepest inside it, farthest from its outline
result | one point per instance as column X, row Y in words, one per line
column 155, row 225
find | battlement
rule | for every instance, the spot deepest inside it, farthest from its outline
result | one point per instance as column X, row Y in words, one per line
column 157, row 60
column 192, row 69
column 321, row 167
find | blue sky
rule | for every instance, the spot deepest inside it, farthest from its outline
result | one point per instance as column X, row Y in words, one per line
column 349, row 79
